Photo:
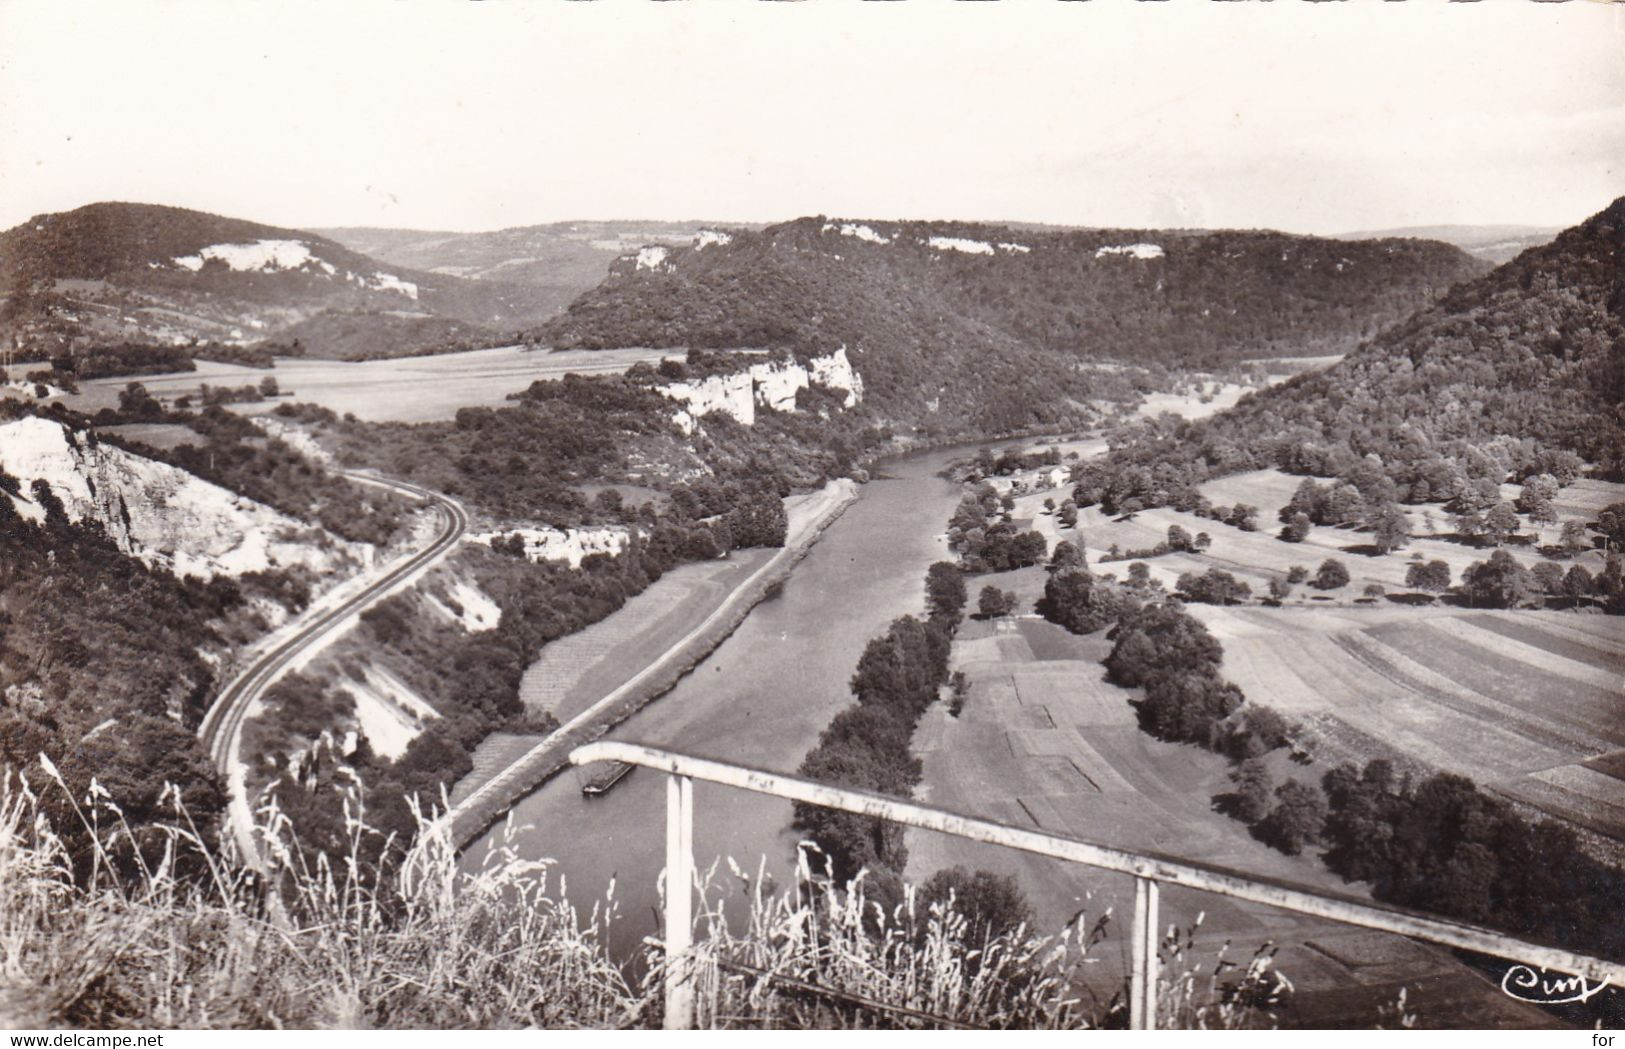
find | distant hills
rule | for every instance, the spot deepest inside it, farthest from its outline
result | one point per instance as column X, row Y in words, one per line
column 993, row 327
column 119, row 273
column 556, row 262
column 1493, row 379
column 1494, row 244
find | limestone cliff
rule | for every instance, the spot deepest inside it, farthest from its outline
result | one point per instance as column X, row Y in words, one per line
column 161, row 514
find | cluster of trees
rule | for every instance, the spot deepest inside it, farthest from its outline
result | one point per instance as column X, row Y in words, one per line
column 1165, row 650
column 1213, row 587
column 741, row 513
column 128, row 358
column 233, row 453
column 867, row 745
column 1081, row 602
column 248, row 393
column 985, row 538
column 994, row 603
column 1444, row 846
column 101, row 672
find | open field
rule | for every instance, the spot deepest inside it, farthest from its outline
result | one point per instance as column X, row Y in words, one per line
column 1521, row 702
column 580, row 668
column 403, row 389
column 1045, row 741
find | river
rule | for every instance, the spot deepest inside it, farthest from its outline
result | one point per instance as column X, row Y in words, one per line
column 760, row 699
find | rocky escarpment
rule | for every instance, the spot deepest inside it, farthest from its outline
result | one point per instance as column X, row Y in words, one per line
column 157, row 513
column 771, row 384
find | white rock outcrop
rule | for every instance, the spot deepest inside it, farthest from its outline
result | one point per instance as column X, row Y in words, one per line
column 960, row 244
column 858, row 231
column 158, row 513
column 1137, row 251
column 770, row 384
column 570, row 544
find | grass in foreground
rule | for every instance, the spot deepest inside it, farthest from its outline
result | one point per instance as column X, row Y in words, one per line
column 118, row 939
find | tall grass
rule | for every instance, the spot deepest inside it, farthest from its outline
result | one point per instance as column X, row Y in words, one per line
column 325, row 942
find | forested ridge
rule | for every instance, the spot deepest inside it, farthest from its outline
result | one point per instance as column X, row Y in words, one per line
column 1505, row 377
column 992, row 338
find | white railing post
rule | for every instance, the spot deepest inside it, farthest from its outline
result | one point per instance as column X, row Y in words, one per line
column 1142, row 988
column 679, row 902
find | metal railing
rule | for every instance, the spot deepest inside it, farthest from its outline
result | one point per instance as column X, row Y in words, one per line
column 1150, row 871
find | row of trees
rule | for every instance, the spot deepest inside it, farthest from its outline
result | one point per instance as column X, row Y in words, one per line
column 868, row 745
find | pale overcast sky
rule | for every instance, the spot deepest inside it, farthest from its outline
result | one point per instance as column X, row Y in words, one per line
column 1306, row 117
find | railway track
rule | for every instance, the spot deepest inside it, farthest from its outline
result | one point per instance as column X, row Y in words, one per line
column 222, row 727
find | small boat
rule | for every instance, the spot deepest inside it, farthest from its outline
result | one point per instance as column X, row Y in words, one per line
column 600, row 782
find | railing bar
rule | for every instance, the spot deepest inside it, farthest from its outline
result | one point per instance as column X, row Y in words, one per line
column 1171, row 871
column 679, row 917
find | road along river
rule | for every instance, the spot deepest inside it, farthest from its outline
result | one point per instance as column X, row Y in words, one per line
column 761, row 699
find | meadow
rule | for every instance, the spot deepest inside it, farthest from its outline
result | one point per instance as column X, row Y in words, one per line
column 402, row 389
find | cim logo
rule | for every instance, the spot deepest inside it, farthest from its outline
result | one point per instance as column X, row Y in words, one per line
column 1527, row 985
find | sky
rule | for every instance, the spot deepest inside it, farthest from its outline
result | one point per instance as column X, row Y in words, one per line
column 1308, row 117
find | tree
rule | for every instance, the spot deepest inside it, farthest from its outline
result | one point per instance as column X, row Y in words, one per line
column 1574, row 537
column 268, row 386
column 1297, row 819
column 1201, row 542
column 993, row 904
column 1296, row 528
column 134, row 402
column 1535, row 499
column 961, row 691
column 1500, row 582
column 1374, row 592
column 1297, row 574
column 1548, row 576
column 1067, row 556
column 1611, row 523
column 1390, row 527
column 1179, row 539
column 1254, row 785
column 1434, row 576
column 1577, row 583
column 1243, row 517
column 1139, row 575
column 1280, row 589
column 1332, row 574
column 56, row 515
column 1501, row 523
column 1068, row 517
column 945, row 593
column 993, row 602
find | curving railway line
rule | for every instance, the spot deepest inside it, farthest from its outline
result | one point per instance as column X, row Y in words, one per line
column 222, row 727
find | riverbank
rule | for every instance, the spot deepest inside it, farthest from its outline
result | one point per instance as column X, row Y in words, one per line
column 489, row 802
